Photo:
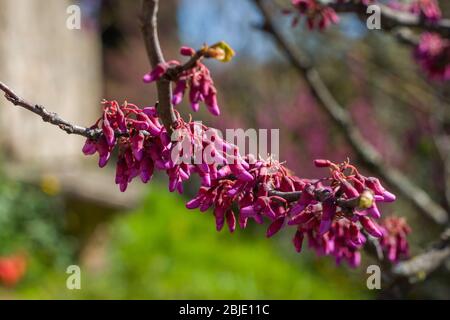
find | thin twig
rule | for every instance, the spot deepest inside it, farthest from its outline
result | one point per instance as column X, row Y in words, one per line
column 417, row 268
column 320, row 195
column 439, row 119
column 155, row 55
column 165, row 107
column 420, row 266
column 391, row 18
column 54, row 118
column 48, row 116
column 173, row 73
column 406, row 36
column 366, row 153
column 288, row 196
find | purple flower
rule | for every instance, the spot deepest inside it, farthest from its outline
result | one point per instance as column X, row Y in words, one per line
column 275, row 226
column 331, row 212
column 108, row 131
column 104, row 151
column 371, row 227
column 428, row 8
column 298, row 240
column 147, row 168
column 90, row 147
column 317, row 14
column 197, row 79
column 231, row 220
column 394, row 240
column 433, row 54
column 178, row 92
column 156, row 73
column 186, row 51
column 137, row 146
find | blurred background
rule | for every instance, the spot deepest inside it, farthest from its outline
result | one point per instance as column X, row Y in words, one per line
column 58, row 209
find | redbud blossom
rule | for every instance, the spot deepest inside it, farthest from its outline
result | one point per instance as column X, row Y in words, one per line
column 186, row 51
column 317, row 15
column 428, row 8
column 196, row 79
column 433, row 55
column 333, row 212
column 393, row 241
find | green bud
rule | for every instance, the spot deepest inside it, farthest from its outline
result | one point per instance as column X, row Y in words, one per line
column 366, row 199
column 221, row 51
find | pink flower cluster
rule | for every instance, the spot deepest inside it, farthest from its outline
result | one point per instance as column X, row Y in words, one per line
column 433, row 55
column 343, row 242
column 252, row 196
column 317, row 15
column 333, row 212
column 429, row 9
column 143, row 144
column 139, row 137
column 322, row 15
column 201, row 150
column 433, row 52
column 197, row 79
column 394, row 240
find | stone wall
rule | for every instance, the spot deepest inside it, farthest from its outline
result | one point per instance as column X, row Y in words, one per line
column 46, row 63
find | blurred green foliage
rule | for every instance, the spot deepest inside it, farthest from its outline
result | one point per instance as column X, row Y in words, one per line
column 31, row 222
column 163, row 251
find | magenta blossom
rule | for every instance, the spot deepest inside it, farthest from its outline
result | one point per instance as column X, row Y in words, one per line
column 197, row 79
column 336, row 212
column 333, row 212
column 433, row 55
column 394, row 240
column 344, row 241
column 429, row 9
column 317, row 15
column 143, row 145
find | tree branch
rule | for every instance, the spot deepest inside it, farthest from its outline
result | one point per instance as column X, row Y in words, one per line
column 155, row 55
column 164, row 107
column 420, row 266
column 172, row 74
column 288, row 196
column 439, row 118
column 366, row 153
column 320, row 195
column 48, row 116
column 391, row 18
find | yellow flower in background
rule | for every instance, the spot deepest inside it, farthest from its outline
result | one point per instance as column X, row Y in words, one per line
column 50, row 184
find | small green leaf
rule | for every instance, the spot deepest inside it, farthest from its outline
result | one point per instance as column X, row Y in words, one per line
column 221, row 51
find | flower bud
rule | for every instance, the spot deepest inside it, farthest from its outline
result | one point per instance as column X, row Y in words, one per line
column 219, row 214
column 156, row 73
column 298, row 241
column 187, row 51
column 301, row 218
column 366, row 200
column 371, row 227
column 90, row 147
column 108, row 132
column 321, row 163
column 220, row 51
column 231, row 220
column 275, row 227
